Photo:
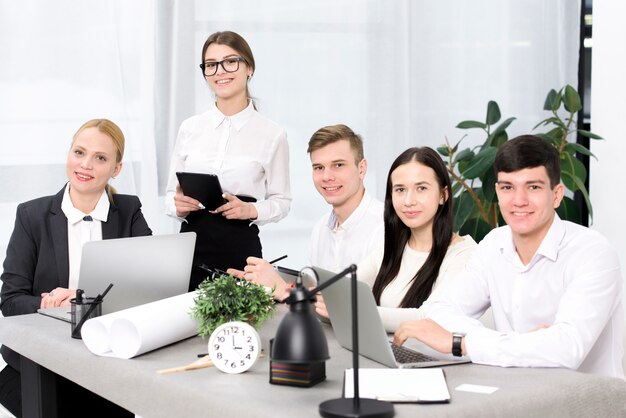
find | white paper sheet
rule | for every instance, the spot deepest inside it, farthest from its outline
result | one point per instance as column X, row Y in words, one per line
column 399, row 385
column 134, row 331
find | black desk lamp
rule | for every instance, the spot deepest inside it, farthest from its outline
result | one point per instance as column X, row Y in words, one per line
column 300, row 339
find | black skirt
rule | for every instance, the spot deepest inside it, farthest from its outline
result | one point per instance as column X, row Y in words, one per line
column 220, row 243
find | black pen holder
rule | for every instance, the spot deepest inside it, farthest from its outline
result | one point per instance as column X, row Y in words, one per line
column 79, row 310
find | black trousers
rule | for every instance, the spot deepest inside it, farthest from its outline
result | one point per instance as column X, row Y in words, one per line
column 11, row 390
column 73, row 400
column 220, row 243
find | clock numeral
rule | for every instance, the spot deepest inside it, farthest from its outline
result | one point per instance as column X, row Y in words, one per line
column 235, row 330
column 219, row 356
column 242, row 363
column 248, row 357
column 216, row 346
column 221, row 339
column 251, row 348
column 225, row 361
column 249, row 339
column 233, row 365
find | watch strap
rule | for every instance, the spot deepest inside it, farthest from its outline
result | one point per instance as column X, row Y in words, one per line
column 457, row 349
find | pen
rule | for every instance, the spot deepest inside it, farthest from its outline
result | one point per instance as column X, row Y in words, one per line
column 278, row 259
column 93, row 305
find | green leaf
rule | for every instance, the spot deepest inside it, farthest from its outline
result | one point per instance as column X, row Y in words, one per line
column 549, row 102
column 554, row 136
column 575, row 169
column 554, row 120
column 476, row 228
column 589, row 134
column 568, row 210
column 493, row 112
column 463, row 207
column 496, row 140
column 469, row 124
column 498, row 131
column 464, row 155
column 571, row 100
column 556, row 104
column 488, row 181
column 479, row 164
column 578, row 149
column 443, row 150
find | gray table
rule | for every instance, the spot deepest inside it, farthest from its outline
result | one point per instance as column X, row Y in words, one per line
column 135, row 385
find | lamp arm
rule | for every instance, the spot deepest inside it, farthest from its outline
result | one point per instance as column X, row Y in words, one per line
column 329, row 282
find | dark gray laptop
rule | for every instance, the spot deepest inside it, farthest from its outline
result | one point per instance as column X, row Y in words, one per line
column 142, row 270
column 373, row 340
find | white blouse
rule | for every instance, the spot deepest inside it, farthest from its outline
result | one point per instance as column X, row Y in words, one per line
column 453, row 264
column 248, row 152
column 80, row 231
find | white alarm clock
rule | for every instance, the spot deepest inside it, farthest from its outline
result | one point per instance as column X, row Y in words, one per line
column 234, row 347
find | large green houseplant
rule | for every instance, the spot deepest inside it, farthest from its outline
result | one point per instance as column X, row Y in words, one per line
column 471, row 169
column 223, row 298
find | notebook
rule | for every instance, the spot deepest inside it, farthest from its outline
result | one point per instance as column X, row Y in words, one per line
column 373, row 340
column 142, row 270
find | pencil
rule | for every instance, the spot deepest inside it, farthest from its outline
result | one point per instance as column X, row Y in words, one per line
column 278, row 259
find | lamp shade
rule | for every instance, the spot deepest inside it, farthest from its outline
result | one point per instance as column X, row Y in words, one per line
column 300, row 337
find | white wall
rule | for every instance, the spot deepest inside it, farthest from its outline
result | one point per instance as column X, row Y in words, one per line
column 608, row 87
column 607, row 119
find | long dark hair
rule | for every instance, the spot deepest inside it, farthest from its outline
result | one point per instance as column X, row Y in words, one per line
column 397, row 234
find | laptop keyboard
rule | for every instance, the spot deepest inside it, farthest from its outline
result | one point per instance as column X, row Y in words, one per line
column 405, row 355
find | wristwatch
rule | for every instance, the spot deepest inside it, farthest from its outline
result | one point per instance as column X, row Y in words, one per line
column 457, row 349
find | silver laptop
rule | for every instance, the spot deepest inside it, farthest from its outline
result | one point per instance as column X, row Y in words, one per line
column 142, row 270
column 373, row 340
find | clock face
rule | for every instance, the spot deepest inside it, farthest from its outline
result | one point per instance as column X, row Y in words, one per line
column 234, row 347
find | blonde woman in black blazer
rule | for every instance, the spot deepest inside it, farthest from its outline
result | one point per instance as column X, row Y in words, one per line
column 37, row 265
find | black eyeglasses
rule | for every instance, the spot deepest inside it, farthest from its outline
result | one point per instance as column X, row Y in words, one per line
column 230, row 65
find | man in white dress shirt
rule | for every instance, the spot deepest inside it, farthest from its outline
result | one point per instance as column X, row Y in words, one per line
column 354, row 226
column 555, row 287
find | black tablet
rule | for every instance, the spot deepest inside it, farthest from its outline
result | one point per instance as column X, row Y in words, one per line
column 205, row 188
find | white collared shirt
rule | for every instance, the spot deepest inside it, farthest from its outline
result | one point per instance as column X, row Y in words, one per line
column 334, row 247
column 248, row 152
column 573, row 284
column 80, row 231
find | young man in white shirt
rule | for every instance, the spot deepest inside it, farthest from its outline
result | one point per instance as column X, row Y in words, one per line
column 353, row 228
column 555, row 287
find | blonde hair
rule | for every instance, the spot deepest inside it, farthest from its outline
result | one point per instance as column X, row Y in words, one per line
column 335, row 133
column 115, row 133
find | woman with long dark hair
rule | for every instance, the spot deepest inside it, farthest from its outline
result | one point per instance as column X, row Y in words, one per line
column 420, row 252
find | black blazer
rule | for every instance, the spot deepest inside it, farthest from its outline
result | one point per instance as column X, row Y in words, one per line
column 37, row 258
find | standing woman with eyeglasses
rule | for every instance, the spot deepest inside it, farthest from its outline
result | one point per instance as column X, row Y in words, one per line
column 247, row 151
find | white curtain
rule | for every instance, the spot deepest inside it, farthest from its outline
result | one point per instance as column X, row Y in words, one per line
column 402, row 73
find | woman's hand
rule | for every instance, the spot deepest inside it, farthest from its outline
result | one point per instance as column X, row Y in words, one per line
column 185, row 204
column 261, row 272
column 59, row 296
column 427, row 331
column 237, row 209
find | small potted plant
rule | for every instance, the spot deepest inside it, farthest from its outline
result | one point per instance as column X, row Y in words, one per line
column 223, row 298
